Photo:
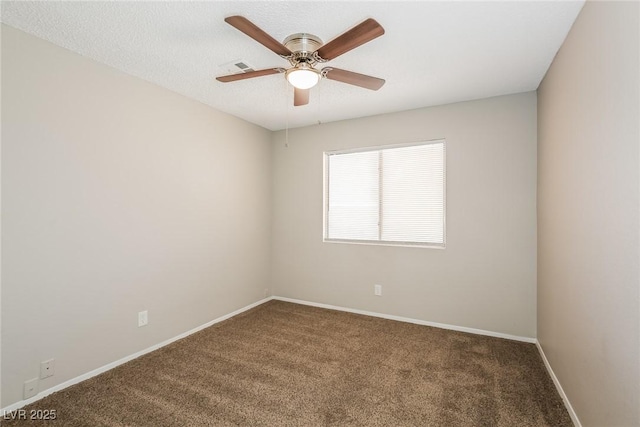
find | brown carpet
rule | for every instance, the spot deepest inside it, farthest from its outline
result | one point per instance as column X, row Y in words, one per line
column 283, row 364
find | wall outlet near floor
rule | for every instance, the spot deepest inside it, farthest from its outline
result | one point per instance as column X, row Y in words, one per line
column 143, row 318
column 47, row 368
column 30, row 388
column 377, row 290
column 266, row 292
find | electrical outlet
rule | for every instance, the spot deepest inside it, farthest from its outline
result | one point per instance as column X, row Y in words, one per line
column 30, row 388
column 47, row 368
column 377, row 290
column 266, row 292
column 143, row 318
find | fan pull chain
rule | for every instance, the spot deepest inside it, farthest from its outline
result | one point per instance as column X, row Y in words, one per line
column 319, row 101
column 287, row 103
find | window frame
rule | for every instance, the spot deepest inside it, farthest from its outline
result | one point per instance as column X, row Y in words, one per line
column 325, row 200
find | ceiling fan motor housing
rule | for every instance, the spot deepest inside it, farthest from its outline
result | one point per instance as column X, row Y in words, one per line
column 302, row 44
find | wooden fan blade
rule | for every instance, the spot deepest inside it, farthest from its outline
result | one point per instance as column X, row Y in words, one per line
column 249, row 28
column 357, row 36
column 300, row 97
column 251, row 74
column 352, row 78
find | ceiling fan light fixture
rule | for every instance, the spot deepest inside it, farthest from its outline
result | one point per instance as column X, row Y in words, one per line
column 303, row 76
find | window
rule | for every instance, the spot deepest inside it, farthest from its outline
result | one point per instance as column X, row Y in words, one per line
column 389, row 195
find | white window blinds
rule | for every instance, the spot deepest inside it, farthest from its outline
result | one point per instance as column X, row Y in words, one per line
column 392, row 195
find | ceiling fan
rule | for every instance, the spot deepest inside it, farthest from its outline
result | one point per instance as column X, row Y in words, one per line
column 304, row 51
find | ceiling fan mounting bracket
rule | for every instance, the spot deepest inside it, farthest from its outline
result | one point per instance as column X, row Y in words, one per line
column 318, row 58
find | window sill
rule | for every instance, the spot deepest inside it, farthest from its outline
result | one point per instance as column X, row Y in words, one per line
column 383, row 243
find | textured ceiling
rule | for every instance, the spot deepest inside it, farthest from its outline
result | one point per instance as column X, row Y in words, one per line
column 432, row 52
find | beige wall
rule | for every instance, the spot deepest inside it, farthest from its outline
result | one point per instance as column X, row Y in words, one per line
column 0, row 221
column 118, row 196
column 485, row 278
column 588, row 220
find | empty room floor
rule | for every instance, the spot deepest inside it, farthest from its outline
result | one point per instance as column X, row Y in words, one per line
column 295, row 365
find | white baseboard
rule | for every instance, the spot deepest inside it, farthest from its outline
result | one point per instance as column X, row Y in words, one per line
column 409, row 320
column 112, row 365
column 565, row 399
